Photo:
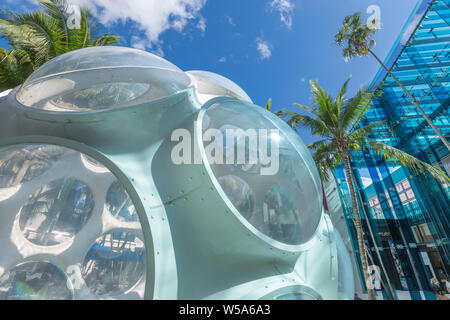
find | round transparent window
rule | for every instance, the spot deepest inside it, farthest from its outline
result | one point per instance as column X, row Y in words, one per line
column 114, row 264
column 42, row 206
column 268, row 161
column 211, row 84
column 56, row 212
column 119, row 203
column 19, row 164
column 239, row 194
column 35, row 281
column 280, row 217
column 98, row 78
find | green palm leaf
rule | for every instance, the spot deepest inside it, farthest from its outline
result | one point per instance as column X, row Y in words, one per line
column 407, row 160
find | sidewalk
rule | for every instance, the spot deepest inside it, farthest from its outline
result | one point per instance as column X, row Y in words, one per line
column 402, row 295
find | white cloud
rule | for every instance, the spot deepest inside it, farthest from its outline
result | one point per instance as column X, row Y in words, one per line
column 230, row 20
column 264, row 48
column 285, row 9
column 138, row 43
column 223, row 60
column 202, row 24
column 152, row 17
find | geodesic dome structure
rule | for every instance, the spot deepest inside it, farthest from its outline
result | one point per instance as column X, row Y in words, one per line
column 93, row 205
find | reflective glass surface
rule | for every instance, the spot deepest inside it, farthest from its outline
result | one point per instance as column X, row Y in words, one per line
column 54, row 201
column 101, row 78
column 271, row 182
column 119, row 203
column 294, row 296
column 346, row 286
column 114, row 264
column 239, row 193
column 214, row 84
column 32, row 280
column 100, row 57
column 56, row 212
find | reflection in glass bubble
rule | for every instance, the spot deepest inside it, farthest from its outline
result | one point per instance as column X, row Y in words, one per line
column 100, row 78
column 56, row 212
column 280, row 216
column 114, row 263
column 239, row 194
column 119, row 203
column 101, row 96
column 286, row 163
column 24, row 163
column 294, row 296
column 217, row 85
column 34, row 281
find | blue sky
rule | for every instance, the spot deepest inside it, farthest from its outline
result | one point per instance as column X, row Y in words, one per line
column 271, row 48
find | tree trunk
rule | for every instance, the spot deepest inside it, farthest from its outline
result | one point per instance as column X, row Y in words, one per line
column 436, row 130
column 358, row 226
column 377, row 251
column 391, row 290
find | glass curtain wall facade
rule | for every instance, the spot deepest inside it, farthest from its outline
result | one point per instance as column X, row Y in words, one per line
column 408, row 212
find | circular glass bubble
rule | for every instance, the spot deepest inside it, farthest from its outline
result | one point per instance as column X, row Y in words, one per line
column 35, row 280
column 239, row 193
column 114, row 264
column 99, row 78
column 274, row 163
column 56, row 212
column 213, row 84
column 119, row 203
column 19, row 164
column 280, row 217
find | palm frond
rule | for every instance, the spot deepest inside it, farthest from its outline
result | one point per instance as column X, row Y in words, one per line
column 268, row 104
column 106, row 40
column 325, row 157
column 341, row 96
column 407, row 160
column 318, row 144
column 307, row 109
column 355, row 109
column 323, row 102
column 57, row 10
column 363, row 133
column 317, row 126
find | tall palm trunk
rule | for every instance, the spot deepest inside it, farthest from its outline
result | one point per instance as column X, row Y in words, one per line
column 414, row 101
column 391, row 290
column 358, row 226
column 377, row 251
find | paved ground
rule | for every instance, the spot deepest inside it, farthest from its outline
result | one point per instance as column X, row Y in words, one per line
column 402, row 295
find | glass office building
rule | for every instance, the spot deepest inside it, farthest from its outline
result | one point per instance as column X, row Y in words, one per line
column 409, row 212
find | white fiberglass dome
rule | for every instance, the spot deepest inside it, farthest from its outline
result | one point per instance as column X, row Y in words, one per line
column 101, row 78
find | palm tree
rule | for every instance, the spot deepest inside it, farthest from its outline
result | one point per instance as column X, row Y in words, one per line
column 37, row 37
column 15, row 66
column 356, row 39
column 326, row 164
column 336, row 121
